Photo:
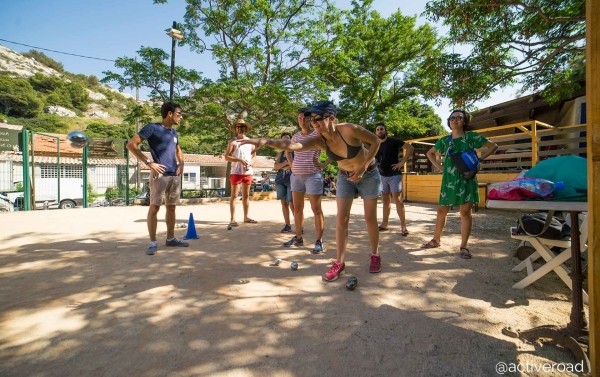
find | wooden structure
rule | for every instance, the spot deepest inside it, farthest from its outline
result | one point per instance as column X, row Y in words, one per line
column 593, row 140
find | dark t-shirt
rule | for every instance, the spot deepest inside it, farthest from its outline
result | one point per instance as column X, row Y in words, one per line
column 163, row 145
column 387, row 155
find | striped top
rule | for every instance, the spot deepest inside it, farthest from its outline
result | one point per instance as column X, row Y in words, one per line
column 305, row 162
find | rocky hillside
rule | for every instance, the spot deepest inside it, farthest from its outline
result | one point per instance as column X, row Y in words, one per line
column 103, row 104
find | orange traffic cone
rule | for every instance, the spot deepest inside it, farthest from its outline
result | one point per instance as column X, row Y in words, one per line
column 191, row 229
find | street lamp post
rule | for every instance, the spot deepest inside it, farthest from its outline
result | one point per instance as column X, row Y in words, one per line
column 176, row 35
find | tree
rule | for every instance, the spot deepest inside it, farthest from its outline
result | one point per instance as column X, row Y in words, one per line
column 153, row 73
column 17, row 97
column 375, row 63
column 537, row 43
column 262, row 50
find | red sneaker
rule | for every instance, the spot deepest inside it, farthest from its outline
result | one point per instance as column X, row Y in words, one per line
column 375, row 263
column 334, row 271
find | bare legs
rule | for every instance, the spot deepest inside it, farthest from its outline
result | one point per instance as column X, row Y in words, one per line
column 466, row 222
column 315, row 205
column 298, row 199
column 245, row 200
column 387, row 208
column 234, row 193
column 298, row 209
column 343, row 217
column 285, row 209
column 151, row 221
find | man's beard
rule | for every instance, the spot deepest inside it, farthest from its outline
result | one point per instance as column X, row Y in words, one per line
column 382, row 137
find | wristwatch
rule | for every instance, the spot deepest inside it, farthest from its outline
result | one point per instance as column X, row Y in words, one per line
column 149, row 161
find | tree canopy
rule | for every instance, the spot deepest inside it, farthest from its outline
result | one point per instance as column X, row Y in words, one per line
column 537, row 43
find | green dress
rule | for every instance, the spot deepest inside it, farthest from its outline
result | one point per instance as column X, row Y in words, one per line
column 457, row 190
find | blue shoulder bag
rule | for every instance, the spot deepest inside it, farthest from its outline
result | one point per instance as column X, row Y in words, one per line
column 466, row 162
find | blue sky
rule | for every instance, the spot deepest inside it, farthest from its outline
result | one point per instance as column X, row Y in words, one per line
column 108, row 29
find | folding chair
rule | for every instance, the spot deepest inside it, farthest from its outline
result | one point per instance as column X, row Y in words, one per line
column 554, row 262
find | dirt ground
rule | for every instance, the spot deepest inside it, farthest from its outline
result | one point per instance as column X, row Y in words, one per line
column 79, row 297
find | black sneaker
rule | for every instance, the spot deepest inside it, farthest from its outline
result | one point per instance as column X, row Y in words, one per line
column 177, row 243
column 294, row 241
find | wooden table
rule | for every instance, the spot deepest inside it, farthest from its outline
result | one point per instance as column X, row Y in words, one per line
column 577, row 326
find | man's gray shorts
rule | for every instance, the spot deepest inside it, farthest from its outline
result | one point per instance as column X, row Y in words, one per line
column 392, row 183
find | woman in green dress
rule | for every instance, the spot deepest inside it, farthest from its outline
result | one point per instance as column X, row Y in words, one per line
column 456, row 190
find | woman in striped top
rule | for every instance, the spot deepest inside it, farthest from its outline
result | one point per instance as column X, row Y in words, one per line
column 307, row 179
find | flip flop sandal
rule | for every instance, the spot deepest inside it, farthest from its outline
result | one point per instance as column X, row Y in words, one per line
column 465, row 253
column 404, row 233
column 430, row 245
column 382, row 229
column 250, row 221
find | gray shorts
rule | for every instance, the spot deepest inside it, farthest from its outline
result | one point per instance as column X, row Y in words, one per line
column 165, row 187
column 392, row 183
column 311, row 184
column 369, row 187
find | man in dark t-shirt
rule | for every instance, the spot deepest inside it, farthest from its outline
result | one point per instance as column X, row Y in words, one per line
column 166, row 166
column 391, row 161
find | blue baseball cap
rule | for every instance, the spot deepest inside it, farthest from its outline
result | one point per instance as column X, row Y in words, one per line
column 321, row 107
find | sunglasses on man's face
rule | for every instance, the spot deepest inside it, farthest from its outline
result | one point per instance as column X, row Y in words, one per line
column 240, row 126
column 456, row 117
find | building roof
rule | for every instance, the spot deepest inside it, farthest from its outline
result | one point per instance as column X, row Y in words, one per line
column 522, row 109
column 45, row 152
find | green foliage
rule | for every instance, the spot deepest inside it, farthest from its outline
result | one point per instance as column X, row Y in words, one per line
column 375, row 62
column 19, row 186
column 540, row 44
column 410, row 119
column 152, row 72
column 140, row 115
column 17, row 97
column 111, row 194
column 44, row 123
column 40, row 57
column 46, row 84
column 91, row 193
column 71, row 95
column 115, row 131
column 78, row 95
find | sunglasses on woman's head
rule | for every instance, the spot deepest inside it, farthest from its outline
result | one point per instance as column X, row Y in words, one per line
column 456, row 117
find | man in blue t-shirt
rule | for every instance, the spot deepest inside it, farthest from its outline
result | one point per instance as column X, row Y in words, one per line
column 166, row 165
column 391, row 161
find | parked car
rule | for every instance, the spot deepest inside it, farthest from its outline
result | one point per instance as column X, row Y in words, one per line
column 142, row 199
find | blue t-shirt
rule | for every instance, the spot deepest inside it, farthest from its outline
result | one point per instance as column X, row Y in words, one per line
column 163, row 145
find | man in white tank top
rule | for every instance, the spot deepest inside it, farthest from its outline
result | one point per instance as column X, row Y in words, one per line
column 242, row 157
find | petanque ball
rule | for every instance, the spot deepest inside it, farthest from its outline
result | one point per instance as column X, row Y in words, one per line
column 77, row 139
column 277, row 261
column 294, row 265
column 352, row 283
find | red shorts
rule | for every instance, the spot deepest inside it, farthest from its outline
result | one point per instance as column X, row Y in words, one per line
column 236, row 179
